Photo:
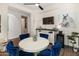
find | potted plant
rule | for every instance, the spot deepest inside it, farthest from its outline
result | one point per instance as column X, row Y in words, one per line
column 73, row 41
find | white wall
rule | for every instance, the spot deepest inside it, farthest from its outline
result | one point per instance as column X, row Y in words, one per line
column 17, row 11
column 33, row 16
column 57, row 11
column 14, row 26
column 3, row 13
column 14, row 22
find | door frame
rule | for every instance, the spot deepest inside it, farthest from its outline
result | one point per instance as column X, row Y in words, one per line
column 26, row 24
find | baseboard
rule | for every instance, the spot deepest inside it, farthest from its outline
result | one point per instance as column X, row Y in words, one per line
column 68, row 46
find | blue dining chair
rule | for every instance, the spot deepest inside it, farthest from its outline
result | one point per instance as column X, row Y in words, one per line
column 23, row 36
column 54, row 51
column 15, row 51
column 44, row 35
column 57, row 48
column 12, row 51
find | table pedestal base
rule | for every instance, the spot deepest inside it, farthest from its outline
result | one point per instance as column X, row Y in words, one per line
column 35, row 54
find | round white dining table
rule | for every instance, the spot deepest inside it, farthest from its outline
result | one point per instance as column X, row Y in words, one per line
column 29, row 45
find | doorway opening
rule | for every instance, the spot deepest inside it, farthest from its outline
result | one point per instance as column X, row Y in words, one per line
column 24, row 28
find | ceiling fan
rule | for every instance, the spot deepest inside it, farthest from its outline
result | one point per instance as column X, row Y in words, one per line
column 36, row 4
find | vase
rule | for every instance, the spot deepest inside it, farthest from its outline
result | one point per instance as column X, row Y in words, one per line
column 74, row 49
column 34, row 38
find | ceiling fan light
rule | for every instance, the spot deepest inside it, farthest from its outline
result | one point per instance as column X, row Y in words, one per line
column 36, row 4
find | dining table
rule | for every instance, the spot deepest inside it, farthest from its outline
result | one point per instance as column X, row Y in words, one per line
column 34, row 46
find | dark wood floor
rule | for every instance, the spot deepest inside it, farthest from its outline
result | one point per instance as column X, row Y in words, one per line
column 67, row 51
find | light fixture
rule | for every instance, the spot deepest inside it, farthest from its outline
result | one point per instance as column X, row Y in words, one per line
column 37, row 4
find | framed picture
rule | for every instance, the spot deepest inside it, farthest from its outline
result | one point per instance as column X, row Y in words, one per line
column 48, row 20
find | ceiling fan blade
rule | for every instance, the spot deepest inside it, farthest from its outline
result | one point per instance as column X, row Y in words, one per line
column 34, row 4
column 29, row 3
column 41, row 7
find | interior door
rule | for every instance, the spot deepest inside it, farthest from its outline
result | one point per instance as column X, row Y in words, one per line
column 14, row 28
column 24, row 28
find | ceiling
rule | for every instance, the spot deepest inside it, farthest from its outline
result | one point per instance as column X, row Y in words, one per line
column 35, row 8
